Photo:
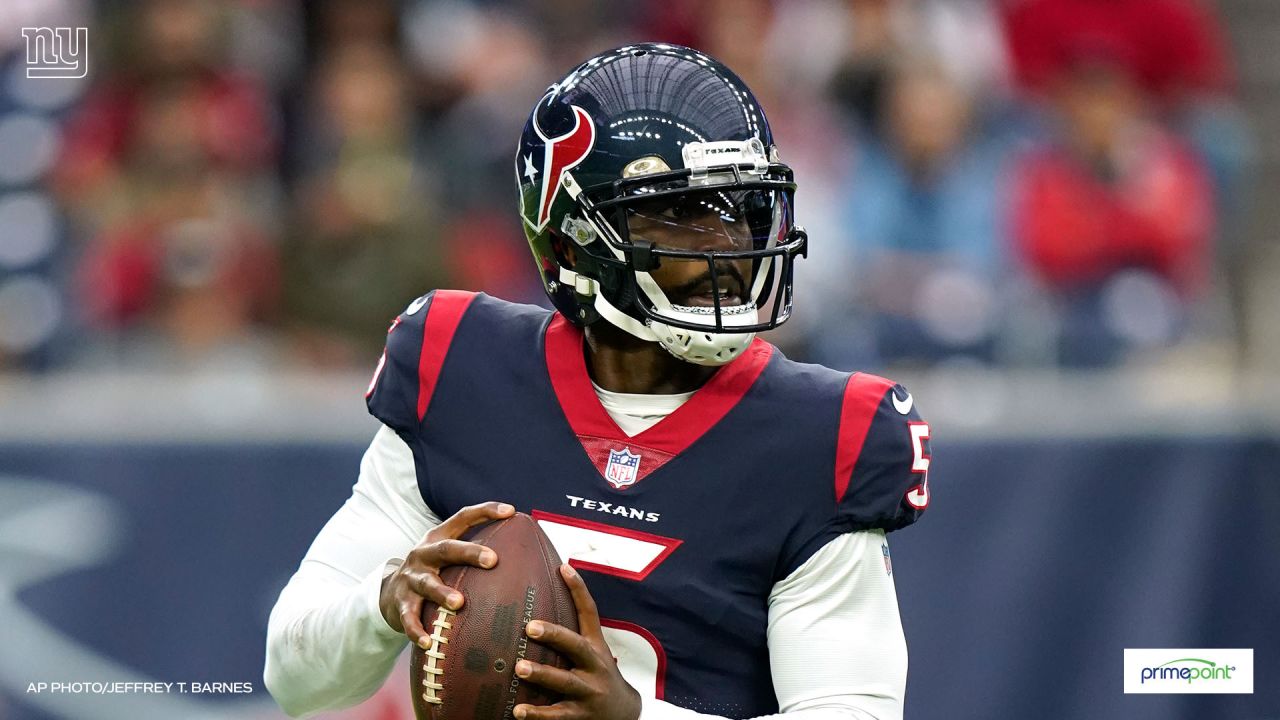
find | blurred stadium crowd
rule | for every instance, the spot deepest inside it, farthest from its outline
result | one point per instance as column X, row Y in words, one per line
column 259, row 183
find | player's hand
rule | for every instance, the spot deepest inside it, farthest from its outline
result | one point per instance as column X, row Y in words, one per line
column 418, row 578
column 593, row 689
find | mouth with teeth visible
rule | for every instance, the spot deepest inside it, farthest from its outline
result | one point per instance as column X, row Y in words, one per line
column 708, row 299
column 730, row 292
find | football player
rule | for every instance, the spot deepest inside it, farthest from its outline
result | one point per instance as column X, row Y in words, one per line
column 722, row 509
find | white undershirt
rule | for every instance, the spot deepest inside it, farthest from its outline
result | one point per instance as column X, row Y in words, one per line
column 836, row 648
column 636, row 412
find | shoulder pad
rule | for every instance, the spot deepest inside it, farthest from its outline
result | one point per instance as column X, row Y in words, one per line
column 417, row 343
column 882, row 456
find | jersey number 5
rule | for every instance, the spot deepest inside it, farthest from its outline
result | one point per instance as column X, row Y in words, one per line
column 601, row 548
column 918, row 495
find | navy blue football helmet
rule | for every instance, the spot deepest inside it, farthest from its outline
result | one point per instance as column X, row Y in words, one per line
column 651, row 154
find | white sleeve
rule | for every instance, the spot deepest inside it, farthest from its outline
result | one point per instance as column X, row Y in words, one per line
column 836, row 648
column 328, row 645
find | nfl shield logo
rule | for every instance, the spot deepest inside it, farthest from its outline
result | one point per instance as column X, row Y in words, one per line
column 623, row 467
column 888, row 562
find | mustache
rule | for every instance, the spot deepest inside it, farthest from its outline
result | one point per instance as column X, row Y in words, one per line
column 723, row 273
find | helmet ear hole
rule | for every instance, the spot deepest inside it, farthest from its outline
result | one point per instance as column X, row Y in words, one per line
column 563, row 250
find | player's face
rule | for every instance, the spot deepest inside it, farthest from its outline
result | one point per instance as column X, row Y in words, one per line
column 696, row 224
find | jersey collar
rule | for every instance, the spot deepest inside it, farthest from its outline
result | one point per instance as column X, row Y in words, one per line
column 567, row 367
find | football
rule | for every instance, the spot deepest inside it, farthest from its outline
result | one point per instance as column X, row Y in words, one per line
column 469, row 670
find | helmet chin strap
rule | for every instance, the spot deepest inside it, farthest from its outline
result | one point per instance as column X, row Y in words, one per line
column 584, row 285
column 700, row 347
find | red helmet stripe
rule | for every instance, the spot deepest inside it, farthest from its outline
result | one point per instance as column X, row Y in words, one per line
column 563, row 154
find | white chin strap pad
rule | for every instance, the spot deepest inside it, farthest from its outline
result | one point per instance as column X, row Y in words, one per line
column 704, row 347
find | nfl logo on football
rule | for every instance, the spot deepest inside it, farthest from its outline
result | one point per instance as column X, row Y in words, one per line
column 623, row 467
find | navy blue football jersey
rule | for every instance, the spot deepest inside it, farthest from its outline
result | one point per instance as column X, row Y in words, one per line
column 681, row 531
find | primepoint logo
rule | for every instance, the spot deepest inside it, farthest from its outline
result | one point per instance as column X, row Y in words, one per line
column 1188, row 670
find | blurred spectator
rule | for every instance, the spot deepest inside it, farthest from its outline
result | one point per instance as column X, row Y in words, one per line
column 183, row 267
column 1114, row 216
column 476, row 85
column 805, row 43
column 722, row 25
column 159, row 171
column 356, row 22
column 1173, row 47
column 365, row 239
column 487, row 253
column 226, row 121
column 963, row 35
column 497, row 75
column 861, row 79
column 1176, row 56
column 925, row 220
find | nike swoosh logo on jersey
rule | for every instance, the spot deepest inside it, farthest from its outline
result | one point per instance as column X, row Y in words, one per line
column 416, row 305
column 902, row 406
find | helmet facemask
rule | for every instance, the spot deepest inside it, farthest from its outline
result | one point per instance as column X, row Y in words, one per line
column 723, row 227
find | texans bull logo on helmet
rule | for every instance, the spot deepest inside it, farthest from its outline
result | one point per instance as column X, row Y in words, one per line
column 544, row 167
